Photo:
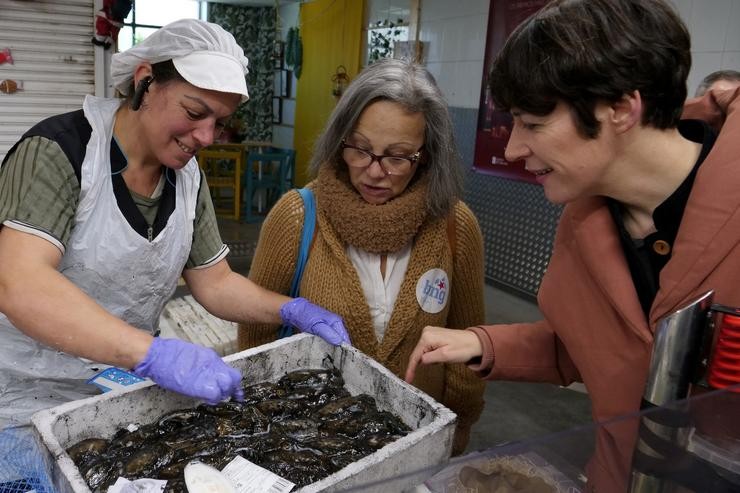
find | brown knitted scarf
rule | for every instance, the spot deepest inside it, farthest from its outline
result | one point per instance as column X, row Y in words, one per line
column 374, row 228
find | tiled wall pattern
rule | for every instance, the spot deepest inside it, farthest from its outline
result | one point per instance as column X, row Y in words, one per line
column 517, row 221
column 715, row 36
column 455, row 32
column 454, row 37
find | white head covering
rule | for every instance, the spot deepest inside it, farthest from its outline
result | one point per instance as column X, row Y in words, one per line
column 203, row 53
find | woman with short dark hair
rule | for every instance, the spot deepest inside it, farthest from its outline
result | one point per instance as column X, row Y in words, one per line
column 596, row 89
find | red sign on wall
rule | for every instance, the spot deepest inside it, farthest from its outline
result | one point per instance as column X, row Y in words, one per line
column 494, row 126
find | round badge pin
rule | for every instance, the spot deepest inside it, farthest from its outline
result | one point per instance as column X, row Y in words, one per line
column 432, row 290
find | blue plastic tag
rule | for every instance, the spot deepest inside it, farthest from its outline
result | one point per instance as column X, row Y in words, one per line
column 114, row 379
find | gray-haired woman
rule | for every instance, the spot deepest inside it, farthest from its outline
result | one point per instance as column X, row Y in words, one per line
column 394, row 249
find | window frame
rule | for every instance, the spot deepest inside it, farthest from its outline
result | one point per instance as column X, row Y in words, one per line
column 202, row 14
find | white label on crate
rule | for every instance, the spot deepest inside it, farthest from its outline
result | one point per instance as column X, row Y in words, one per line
column 432, row 290
column 248, row 477
column 144, row 485
column 202, row 478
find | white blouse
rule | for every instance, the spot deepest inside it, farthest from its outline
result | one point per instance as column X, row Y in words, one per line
column 380, row 293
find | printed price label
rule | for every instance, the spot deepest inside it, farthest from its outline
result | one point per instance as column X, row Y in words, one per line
column 114, row 379
column 248, row 477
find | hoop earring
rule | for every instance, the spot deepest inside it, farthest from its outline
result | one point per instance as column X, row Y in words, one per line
column 141, row 88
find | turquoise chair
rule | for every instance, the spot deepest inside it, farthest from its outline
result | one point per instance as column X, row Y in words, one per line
column 287, row 170
column 267, row 176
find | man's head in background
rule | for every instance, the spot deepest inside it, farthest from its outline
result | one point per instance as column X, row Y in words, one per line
column 721, row 79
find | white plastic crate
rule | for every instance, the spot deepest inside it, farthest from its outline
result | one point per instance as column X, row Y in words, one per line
column 396, row 467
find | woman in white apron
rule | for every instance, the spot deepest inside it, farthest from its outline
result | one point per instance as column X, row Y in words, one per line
column 104, row 209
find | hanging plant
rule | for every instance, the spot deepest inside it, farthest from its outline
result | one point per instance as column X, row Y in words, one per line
column 382, row 36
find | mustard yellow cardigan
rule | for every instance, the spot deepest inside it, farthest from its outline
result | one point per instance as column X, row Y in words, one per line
column 330, row 280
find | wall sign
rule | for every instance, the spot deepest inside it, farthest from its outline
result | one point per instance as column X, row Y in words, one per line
column 494, row 126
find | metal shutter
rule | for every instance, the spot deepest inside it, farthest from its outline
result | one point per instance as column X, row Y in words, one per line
column 54, row 60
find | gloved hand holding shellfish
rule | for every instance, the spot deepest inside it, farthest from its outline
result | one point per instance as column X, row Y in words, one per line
column 191, row 370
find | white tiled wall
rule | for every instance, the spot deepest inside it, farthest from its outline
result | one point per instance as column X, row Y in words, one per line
column 454, row 36
column 715, row 36
column 454, row 33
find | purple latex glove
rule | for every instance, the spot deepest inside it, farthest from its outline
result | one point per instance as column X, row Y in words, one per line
column 191, row 370
column 312, row 319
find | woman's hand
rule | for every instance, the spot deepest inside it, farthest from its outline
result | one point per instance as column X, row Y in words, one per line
column 191, row 370
column 312, row 319
column 438, row 345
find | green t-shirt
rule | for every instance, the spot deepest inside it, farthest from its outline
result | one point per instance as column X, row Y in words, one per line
column 40, row 191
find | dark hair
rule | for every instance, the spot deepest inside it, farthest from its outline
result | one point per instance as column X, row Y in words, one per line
column 583, row 52
column 163, row 73
column 413, row 87
column 731, row 75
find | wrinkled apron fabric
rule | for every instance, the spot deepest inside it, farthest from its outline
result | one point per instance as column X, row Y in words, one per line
column 129, row 276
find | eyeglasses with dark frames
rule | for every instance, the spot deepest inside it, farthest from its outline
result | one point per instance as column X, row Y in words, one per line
column 357, row 157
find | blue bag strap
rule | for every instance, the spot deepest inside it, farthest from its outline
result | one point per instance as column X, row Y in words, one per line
column 309, row 224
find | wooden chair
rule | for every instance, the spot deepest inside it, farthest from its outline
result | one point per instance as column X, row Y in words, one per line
column 223, row 165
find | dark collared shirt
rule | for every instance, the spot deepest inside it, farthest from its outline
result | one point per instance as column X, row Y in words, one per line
column 647, row 256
